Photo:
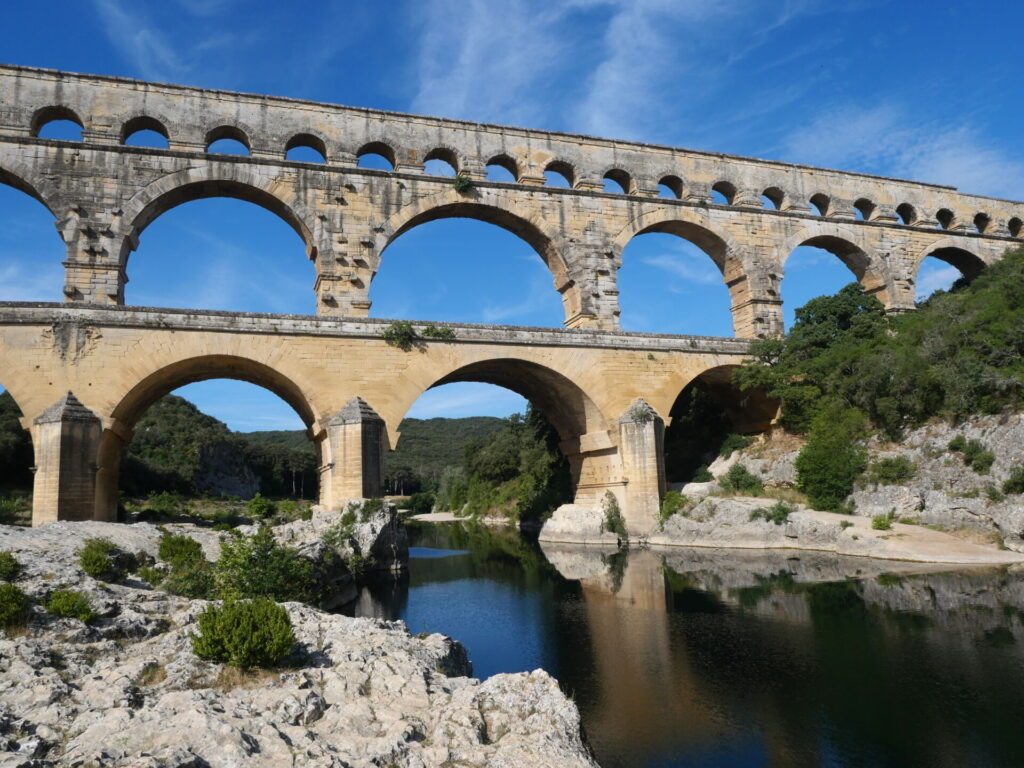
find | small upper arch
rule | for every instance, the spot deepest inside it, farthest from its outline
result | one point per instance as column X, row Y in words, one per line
column 863, row 208
column 306, row 141
column 775, row 198
column 906, row 213
column 503, row 162
column 376, row 155
column 618, row 181
column 982, row 221
column 1014, row 225
column 139, row 123
column 230, row 133
column 723, row 192
column 945, row 218
column 441, row 161
column 560, row 173
column 671, row 186
column 53, row 114
column 820, row 204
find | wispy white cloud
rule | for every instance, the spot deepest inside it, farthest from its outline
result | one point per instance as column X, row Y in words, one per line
column 141, row 42
column 21, row 281
column 686, row 266
column 887, row 139
column 467, row 399
column 932, row 279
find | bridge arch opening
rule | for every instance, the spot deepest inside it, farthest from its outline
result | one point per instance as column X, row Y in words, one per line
column 723, row 193
column 305, row 148
column 470, row 263
column 710, row 416
column 670, row 187
column 31, row 249
column 145, row 131
column 821, row 265
column 560, row 175
column 221, row 398
column 945, row 268
column 1015, row 225
column 674, row 255
column 533, row 461
column 773, row 198
column 376, row 155
column 945, row 218
column 57, row 122
column 503, row 169
column 819, row 204
column 906, row 213
column 618, row 182
column 220, row 244
column 16, row 461
column 227, row 140
column 441, row 162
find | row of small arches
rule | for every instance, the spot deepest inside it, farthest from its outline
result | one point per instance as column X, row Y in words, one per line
column 62, row 123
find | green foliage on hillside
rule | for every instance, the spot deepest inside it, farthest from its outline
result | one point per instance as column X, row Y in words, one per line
column 15, row 447
column 517, row 471
column 430, row 447
column 846, row 368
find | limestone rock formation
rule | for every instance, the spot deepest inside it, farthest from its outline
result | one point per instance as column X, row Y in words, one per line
column 577, row 524
column 127, row 690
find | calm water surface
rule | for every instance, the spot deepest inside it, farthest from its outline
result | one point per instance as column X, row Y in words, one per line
column 719, row 658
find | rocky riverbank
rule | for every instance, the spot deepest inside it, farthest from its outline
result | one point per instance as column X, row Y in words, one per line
column 127, row 690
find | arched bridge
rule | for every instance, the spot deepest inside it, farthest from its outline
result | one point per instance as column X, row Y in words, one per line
column 82, row 372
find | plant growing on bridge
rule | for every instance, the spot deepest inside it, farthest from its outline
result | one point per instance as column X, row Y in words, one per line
column 613, row 521
column 244, row 634
column 401, row 334
column 462, row 183
column 438, row 332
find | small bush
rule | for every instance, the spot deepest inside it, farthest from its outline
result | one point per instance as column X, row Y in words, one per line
column 244, row 634
column 777, row 513
column 179, row 550
column 14, row 606
column 674, row 503
column 702, row 475
column 832, row 458
column 1015, row 482
column 613, row 521
column 732, row 443
column 994, row 495
column 438, row 332
column 462, row 183
column 10, row 568
column 69, row 604
column 741, row 480
column 882, row 522
column 150, row 575
column 844, row 524
column 194, row 580
column 257, row 566
column 891, row 470
column 165, row 504
column 401, row 334
column 421, row 503
column 97, row 559
column 974, row 453
column 260, row 508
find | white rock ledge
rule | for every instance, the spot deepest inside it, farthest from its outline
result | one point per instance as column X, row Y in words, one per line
column 127, row 690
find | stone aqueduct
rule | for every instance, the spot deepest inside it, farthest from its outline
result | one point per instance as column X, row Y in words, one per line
column 82, row 372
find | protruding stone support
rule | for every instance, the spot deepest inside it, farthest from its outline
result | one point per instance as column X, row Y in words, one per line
column 66, row 437
column 358, row 440
column 641, row 446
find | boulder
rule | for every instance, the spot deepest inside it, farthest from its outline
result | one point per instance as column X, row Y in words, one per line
column 577, row 524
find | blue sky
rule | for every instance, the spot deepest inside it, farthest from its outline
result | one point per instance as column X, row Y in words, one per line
column 926, row 90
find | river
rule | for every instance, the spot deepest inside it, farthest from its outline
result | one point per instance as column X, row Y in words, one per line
column 730, row 658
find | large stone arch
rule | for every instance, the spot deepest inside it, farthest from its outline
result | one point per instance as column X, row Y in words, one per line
column 493, row 207
column 588, row 436
column 694, row 226
column 845, row 243
column 955, row 251
column 216, row 179
column 119, row 424
column 21, row 178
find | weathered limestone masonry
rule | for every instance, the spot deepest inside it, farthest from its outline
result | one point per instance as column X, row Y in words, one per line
column 83, row 372
column 350, row 387
column 104, row 194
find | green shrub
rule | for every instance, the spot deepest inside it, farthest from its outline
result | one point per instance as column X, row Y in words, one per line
column 882, row 522
column 179, row 550
column 421, row 503
column 732, row 443
column 832, row 458
column 97, row 559
column 891, row 470
column 613, row 521
column 844, row 524
column 257, row 566
column 165, row 504
column 462, row 183
column 14, row 606
column 69, row 604
column 702, row 475
column 10, row 568
column 674, row 503
column 150, row 575
column 194, row 580
column 438, row 332
column 401, row 334
column 975, row 454
column 741, row 480
column 777, row 513
column 244, row 634
column 1014, row 484
column 261, row 508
